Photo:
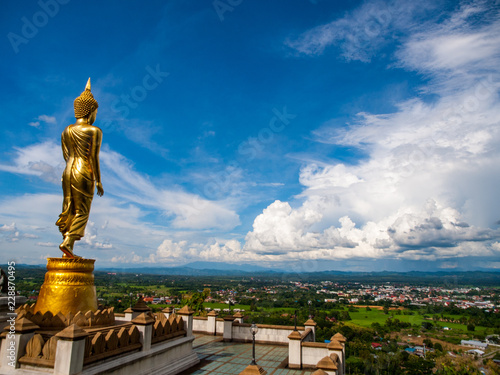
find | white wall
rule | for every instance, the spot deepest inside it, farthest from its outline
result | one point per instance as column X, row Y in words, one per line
column 200, row 324
column 265, row 333
column 219, row 326
column 311, row 355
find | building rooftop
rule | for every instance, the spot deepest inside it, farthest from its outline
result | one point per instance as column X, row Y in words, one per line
column 218, row 357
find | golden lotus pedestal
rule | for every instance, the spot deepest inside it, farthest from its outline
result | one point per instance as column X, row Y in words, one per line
column 68, row 287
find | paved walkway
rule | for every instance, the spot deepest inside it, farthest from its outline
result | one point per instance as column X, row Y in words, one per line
column 219, row 357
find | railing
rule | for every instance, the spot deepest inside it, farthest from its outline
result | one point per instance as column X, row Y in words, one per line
column 40, row 351
column 106, row 342
column 164, row 329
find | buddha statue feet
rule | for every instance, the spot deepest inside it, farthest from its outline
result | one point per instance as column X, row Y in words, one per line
column 67, row 247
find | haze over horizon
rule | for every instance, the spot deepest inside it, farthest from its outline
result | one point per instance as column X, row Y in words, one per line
column 302, row 135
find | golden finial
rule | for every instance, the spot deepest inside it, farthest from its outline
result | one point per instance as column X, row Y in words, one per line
column 87, row 87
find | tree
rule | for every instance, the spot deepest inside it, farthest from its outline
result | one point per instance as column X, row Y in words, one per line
column 471, row 327
column 427, row 325
column 438, row 346
column 197, row 299
column 456, row 366
column 354, row 365
column 428, row 343
column 418, row 366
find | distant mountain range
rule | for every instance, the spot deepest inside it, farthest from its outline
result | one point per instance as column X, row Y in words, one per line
column 230, row 269
column 211, row 269
column 198, row 269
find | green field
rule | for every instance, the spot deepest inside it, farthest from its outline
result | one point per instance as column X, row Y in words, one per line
column 365, row 318
column 361, row 318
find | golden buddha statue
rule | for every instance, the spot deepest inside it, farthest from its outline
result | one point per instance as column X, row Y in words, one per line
column 81, row 143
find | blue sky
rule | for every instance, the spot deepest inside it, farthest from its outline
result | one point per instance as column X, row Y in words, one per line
column 306, row 135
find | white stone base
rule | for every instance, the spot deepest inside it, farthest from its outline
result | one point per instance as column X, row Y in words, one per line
column 167, row 358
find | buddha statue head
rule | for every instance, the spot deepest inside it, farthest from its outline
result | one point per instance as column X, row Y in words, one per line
column 85, row 105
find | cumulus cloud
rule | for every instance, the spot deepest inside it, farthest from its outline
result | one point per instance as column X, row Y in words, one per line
column 173, row 252
column 426, row 189
column 281, row 229
column 8, row 228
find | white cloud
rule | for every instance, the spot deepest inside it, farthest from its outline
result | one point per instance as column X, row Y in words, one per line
column 330, row 176
column 362, row 32
column 120, row 118
column 427, row 189
column 117, row 220
column 92, row 236
column 120, row 179
column 188, row 210
column 456, row 53
column 52, row 245
column 281, row 229
column 47, row 119
column 41, row 159
column 8, row 228
column 171, row 250
column 36, row 214
column 43, row 118
column 32, row 212
column 450, row 51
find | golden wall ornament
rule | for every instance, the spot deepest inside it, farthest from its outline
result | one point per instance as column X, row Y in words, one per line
column 81, row 143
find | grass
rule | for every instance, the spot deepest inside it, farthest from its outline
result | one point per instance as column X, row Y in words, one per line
column 361, row 318
column 365, row 318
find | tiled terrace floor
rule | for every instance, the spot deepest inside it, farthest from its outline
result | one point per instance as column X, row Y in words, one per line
column 219, row 357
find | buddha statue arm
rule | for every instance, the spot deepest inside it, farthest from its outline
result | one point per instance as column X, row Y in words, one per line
column 64, row 146
column 96, row 146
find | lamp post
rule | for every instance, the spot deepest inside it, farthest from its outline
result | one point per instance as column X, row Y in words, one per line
column 254, row 330
column 131, row 294
column 295, row 319
column 309, row 303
